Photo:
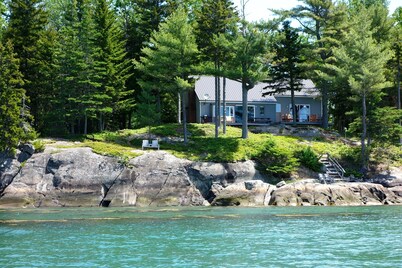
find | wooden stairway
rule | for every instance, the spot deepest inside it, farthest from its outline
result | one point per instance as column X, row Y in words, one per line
column 333, row 171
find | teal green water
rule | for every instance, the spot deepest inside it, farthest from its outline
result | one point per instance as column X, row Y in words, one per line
column 202, row 237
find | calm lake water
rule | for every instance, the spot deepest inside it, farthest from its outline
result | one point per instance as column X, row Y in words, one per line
column 202, row 237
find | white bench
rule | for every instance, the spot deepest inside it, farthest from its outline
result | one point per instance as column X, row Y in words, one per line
column 153, row 145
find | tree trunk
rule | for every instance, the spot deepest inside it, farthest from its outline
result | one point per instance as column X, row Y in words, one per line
column 398, row 79
column 219, row 101
column 292, row 97
column 364, row 133
column 183, row 101
column 100, row 122
column 85, row 123
column 224, row 105
column 159, row 107
column 129, row 119
column 324, row 92
column 244, row 129
column 178, row 109
column 216, row 108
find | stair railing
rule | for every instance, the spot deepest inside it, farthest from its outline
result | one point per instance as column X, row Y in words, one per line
column 337, row 166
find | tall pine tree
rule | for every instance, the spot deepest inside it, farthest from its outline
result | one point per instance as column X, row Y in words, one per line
column 248, row 66
column 286, row 70
column 13, row 114
column 216, row 18
column 110, row 64
column 170, row 59
column 27, row 31
column 361, row 61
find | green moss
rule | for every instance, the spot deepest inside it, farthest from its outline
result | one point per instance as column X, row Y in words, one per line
column 111, row 149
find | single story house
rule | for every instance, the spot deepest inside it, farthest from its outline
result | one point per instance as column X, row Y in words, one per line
column 267, row 109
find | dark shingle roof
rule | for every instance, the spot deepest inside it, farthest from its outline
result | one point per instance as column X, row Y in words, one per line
column 205, row 86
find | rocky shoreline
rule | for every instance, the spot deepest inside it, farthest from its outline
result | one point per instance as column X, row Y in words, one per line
column 78, row 177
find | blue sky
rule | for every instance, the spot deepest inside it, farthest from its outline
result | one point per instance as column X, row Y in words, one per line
column 258, row 9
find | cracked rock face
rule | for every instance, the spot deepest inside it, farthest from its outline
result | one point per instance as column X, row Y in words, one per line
column 157, row 179
column 307, row 194
column 79, row 177
column 71, row 177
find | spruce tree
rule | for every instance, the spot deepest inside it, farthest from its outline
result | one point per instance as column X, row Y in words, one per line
column 75, row 83
column 143, row 17
column 27, row 30
column 361, row 61
column 215, row 19
column 248, row 65
column 286, row 70
column 170, row 59
column 2, row 18
column 324, row 22
column 13, row 113
column 110, row 64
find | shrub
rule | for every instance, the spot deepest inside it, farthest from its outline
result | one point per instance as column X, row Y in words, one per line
column 309, row 159
column 39, row 146
column 275, row 160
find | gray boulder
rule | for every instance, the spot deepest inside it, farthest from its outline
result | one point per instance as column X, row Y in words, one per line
column 79, row 177
column 308, row 193
column 246, row 193
column 157, row 179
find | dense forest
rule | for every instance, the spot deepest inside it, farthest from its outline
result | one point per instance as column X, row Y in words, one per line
column 84, row 66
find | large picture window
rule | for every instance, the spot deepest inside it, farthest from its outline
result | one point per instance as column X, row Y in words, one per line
column 230, row 111
column 239, row 113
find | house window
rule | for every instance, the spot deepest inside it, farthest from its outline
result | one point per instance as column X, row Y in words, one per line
column 230, row 111
column 262, row 110
column 239, row 113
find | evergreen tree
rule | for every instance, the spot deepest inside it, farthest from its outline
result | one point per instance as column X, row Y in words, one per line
column 361, row 61
column 248, row 65
column 216, row 18
column 142, row 18
column 75, row 83
column 324, row 22
column 286, row 71
column 110, row 64
column 27, row 31
column 13, row 113
column 2, row 18
column 170, row 59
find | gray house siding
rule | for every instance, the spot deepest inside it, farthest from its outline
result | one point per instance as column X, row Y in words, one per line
column 315, row 104
column 265, row 111
column 267, row 108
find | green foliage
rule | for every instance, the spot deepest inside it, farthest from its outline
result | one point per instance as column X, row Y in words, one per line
column 216, row 17
column 383, row 127
column 110, row 64
column 247, row 65
column 110, row 149
column 309, row 159
column 27, row 31
column 2, row 19
column 361, row 61
column 39, row 146
column 276, row 160
column 286, row 70
column 13, row 114
column 169, row 60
